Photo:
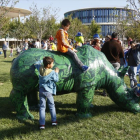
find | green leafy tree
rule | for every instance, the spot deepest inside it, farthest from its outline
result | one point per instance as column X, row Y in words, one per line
column 94, row 28
column 77, row 26
column 4, row 10
column 41, row 21
column 134, row 16
column 4, row 20
column 134, row 31
column 52, row 26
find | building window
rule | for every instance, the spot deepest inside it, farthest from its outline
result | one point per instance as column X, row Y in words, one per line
column 100, row 12
column 101, row 19
column 90, row 13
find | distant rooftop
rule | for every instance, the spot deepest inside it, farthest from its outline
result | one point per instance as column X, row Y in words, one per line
column 109, row 7
column 14, row 12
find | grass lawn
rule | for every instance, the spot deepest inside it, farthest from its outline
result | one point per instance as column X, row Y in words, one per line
column 108, row 122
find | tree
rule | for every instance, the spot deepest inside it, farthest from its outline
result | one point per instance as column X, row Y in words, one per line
column 39, row 22
column 85, row 30
column 51, row 27
column 134, row 4
column 77, row 26
column 121, row 27
column 94, row 28
column 4, row 10
column 134, row 31
column 134, row 28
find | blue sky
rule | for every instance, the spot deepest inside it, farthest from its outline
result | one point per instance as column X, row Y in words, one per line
column 68, row 5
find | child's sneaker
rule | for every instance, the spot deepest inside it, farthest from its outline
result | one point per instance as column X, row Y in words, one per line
column 85, row 68
column 54, row 123
column 42, row 127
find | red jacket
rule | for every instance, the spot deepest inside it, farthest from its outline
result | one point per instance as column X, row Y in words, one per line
column 51, row 38
column 97, row 48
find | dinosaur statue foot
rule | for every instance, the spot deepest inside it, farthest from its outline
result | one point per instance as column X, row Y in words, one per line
column 88, row 115
column 25, row 116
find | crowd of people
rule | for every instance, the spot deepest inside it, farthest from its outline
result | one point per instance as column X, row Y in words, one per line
column 111, row 47
column 48, row 44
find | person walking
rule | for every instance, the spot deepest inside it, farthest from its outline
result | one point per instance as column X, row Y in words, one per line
column 133, row 58
column 5, row 48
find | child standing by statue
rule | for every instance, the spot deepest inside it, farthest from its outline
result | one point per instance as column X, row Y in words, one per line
column 47, row 89
column 63, row 45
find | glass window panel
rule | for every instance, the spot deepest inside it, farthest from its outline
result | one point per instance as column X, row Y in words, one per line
column 90, row 19
column 106, row 12
column 87, row 13
column 101, row 20
column 105, row 20
column 105, row 29
column 98, row 12
column 101, row 12
column 109, row 12
column 97, row 20
column 94, row 12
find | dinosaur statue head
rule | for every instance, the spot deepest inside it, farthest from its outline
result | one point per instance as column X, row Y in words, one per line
column 125, row 97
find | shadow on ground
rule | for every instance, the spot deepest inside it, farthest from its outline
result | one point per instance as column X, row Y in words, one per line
column 4, row 77
column 6, row 111
column 8, row 61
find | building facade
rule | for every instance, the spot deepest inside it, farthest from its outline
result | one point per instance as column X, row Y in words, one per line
column 105, row 17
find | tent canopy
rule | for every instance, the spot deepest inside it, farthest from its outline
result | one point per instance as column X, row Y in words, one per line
column 14, row 12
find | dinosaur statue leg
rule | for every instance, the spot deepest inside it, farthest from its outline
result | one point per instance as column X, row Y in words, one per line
column 19, row 99
column 84, row 100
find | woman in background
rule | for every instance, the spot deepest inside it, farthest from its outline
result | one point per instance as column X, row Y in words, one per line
column 5, row 48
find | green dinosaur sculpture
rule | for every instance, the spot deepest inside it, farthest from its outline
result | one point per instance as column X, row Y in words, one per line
column 101, row 74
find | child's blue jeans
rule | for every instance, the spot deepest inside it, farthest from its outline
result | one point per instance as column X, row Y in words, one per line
column 50, row 101
column 75, row 58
